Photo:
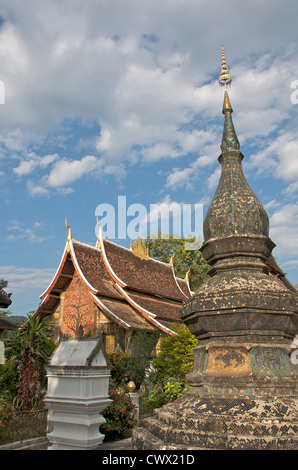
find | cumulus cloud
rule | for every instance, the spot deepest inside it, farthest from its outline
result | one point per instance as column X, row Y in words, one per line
column 284, row 230
column 279, row 157
column 17, row 231
column 65, row 172
column 23, row 280
column 137, row 71
column 32, row 162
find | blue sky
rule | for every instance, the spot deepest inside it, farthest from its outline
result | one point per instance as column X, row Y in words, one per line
column 110, row 98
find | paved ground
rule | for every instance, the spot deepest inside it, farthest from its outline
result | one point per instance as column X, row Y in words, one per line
column 42, row 444
column 124, row 444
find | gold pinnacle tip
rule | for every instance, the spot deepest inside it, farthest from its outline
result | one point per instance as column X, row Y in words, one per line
column 224, row 78
column 69, row 237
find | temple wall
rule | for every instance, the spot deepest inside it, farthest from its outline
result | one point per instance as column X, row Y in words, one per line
column 78, row 310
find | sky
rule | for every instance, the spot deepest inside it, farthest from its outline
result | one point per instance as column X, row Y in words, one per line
column 105, row 101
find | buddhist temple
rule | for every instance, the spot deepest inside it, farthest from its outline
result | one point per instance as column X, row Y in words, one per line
column 243, row 387
column 112, row 290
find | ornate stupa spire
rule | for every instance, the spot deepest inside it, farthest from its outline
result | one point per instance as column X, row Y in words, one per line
column 229, row 138
column 243, row 388
column 235, row 209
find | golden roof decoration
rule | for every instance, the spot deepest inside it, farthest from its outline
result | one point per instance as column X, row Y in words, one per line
column 139, row 248
column 69, row 236
column 99, row 233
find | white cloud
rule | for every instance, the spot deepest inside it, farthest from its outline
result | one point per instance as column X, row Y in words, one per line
column 65, row 172
column 32, row 162
column 279, row 158
column 180, row 178
column 22, row 280
column 37, row 190
column 284, row 230
column 17, row 232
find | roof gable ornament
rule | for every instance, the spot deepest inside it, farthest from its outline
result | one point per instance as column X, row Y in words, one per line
column 139, row 248
column 98, row 244
column 69, row 235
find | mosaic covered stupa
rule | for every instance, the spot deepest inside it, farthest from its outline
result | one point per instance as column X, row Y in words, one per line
column 243, row 387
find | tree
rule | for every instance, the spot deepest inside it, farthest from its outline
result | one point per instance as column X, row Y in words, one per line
column 163, row 247
column 5, row 313
column 3, row 283
column 175, row 359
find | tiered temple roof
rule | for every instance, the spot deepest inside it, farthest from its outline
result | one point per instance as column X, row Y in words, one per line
column 136, row 292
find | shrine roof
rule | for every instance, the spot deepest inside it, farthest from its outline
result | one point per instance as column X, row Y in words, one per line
column 145, row 275
column 122, row 313
column 5, row 299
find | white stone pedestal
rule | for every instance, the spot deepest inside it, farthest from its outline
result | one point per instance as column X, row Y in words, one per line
column 78, row 381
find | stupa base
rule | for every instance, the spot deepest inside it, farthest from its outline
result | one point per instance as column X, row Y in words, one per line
column 239, row 423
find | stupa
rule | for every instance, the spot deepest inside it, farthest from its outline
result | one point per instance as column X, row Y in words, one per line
column 243, row 387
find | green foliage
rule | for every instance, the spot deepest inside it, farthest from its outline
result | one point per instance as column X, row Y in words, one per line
column 119, row 414
column 3, row 283
column 5, row 313
column 169, row 368
column 35, row 336
column 133, row 364
column 164, row 246
column 9, row 380
column 175, row 358
column 27, row 351
column 7, row 413
column 159, row 395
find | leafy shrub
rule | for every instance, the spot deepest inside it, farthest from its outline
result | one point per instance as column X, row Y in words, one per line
column 27, row 350
column 9, row 380
column 162, row 394
column 7, row 413
column 169, row 369
column 119, row 414
column 133, row 364
column 175, row 359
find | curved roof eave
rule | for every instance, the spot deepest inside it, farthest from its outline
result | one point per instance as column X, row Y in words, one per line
column 106, row 261
column 57, row 273
column 109, row 312
column 148, row 315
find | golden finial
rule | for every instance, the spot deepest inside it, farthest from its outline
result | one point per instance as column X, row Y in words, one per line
column 187, row 276
column 224, row 78
column 172, row 260
column 139, row 248
column 99, row 233
column 69, row 236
